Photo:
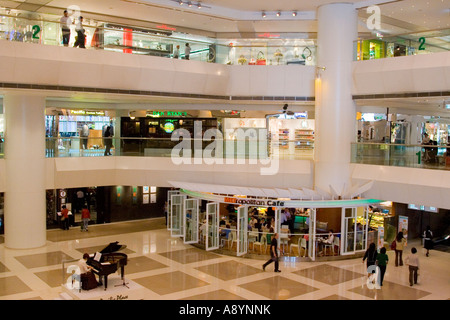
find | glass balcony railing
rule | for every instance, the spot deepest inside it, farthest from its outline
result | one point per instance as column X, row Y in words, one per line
column 402, row 45
column 165, row 147
column 412, row 156
column 161, row 41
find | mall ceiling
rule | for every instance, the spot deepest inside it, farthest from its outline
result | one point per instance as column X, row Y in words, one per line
column 243, row 18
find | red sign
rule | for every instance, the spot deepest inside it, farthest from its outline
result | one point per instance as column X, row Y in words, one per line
column 268, row 35
column 165, row 27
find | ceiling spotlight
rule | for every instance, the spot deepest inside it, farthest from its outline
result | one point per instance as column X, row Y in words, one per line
column 263, row 14
column 180, row 2
column 294, row 14
column 199, row 5
column 278, row 13
column 189, row 4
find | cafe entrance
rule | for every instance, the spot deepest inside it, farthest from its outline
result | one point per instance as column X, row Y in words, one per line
column 328, row 228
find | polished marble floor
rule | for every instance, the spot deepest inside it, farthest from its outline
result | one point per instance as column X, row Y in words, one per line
column 167, row 269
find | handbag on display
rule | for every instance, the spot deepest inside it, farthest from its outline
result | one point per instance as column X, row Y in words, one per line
column 260, row 59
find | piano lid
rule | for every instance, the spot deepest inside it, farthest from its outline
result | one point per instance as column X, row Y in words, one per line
column 113, row 247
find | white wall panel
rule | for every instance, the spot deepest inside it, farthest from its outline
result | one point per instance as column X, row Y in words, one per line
column 73, row 67
column 406, row 185
column 419, row 73
column 79, row 172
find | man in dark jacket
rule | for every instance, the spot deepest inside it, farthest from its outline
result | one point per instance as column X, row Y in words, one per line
column 273, row 253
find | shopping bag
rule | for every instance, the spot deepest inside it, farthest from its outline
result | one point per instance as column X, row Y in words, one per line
column 260, row 59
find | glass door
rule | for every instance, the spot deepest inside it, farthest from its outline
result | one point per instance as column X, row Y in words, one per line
column 169, row 207
column 242, row 227
column 361, row 228
column 312, row 244
column 277, row 221
column 212, row 226
column 190, row 220
column 176, row 215
column 349, row 225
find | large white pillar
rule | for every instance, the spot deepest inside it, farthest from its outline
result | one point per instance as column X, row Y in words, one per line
column 335, row 110
column 25, row 201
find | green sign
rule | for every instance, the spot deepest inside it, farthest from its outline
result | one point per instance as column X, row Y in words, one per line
column 422, row 43
column 36, row 30
column 167, row 114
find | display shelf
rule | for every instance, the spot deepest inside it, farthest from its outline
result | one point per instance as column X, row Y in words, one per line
column 304, row 139
column 283, row 139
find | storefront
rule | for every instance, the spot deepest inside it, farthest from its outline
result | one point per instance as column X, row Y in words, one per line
column 70, row 132
column 152, row 135
column 305, row 226
column 289, row 135
column 106, row 204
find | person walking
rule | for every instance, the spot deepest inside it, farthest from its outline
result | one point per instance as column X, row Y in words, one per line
column 65, row 217
column 85, row 217
column 187, row 51
column 400, row 244
column 273, row 253
column 84, row 134
column 81, row 38
column 166, row 210
column 176, row 52
column 381, row 262
column 65, row 23
column 428, row 240
column 371, row 256
column 412, row 260
column 108, row 141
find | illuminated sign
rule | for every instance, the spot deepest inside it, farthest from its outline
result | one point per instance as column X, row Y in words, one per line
column 254, row 202
column 268, row 35
column 165, row 27
column 167, row 114
column 169, row 127
column 88, row 113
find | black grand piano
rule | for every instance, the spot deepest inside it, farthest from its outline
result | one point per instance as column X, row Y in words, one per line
column 108, row 261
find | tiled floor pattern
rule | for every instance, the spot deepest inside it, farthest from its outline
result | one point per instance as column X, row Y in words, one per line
column 166, row 268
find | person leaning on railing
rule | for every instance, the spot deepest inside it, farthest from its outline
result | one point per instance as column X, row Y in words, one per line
column 65, row 22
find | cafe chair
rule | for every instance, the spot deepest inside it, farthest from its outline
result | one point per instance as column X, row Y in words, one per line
column 293, row 245
column 329, row 246
column 252, row 236
column 261, row 244
column 229, row 240
column 303, row 245
column 234, row 239
column 336, row 243
column 284, row 238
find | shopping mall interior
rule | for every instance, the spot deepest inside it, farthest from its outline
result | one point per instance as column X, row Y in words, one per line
column 173, row 141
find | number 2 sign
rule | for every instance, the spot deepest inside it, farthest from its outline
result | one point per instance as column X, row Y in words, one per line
column 36, row 30
column 422, row 43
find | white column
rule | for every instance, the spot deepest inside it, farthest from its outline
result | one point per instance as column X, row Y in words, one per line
column 25, row 201
column 335, row 110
